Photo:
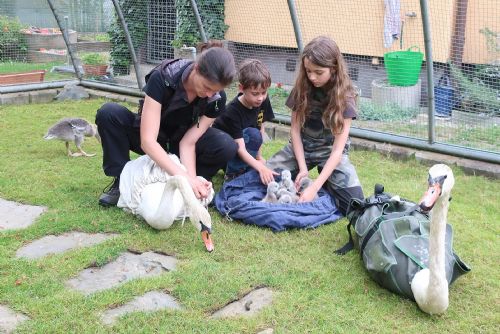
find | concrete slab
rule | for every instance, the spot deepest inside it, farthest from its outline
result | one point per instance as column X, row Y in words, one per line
column 16, row 215
column 149, row 302
column 473, row 167
column 126, row 267
column 9, row 319
column 266, row 331
column 52, row 244
column 247, row 306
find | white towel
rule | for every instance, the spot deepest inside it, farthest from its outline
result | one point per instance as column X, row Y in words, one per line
column 392, row 22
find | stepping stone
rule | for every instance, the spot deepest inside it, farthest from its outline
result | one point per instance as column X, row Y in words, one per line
column 9, row 320
column 52, row 244
column 16, row 215
column 266, row 331
column 249, row 305
column 126, row 267
column 151, row 301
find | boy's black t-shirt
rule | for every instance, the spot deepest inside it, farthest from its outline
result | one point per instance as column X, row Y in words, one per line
column 179, row 114
column 237, row 117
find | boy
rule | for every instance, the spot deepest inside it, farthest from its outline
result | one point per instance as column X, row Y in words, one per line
column 243, row 120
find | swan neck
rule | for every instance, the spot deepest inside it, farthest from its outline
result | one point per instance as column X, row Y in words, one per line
column 437, row 242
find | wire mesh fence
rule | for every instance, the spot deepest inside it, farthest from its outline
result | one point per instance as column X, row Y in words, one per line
column 382, row 42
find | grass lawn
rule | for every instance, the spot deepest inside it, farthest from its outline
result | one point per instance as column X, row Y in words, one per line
column 315, row 291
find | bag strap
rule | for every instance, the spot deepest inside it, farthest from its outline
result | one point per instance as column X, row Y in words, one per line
column 354, row 204
column 349, row 245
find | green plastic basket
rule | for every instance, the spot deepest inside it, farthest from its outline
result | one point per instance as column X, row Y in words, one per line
column 403, row 67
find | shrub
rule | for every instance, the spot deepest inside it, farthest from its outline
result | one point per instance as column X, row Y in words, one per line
column 13, row 44
column 389, row 112
column 94, row 58
column 134, row 12
column 212, row 17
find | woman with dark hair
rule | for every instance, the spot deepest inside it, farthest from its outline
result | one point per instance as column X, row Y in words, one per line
column 182, row 100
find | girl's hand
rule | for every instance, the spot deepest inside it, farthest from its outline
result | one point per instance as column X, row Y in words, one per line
column 308, row 195
column 261, row 159
column 266, row 174
column 201, row 188
column 300, row 176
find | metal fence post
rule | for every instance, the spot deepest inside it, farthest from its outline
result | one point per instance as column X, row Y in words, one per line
column 129, row 43
column 296, row 24
column 198, row 21
column 66, row 39
column 424, row 7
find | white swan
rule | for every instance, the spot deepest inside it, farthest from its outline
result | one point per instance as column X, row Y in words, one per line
column 148, row 191
column 429, row 285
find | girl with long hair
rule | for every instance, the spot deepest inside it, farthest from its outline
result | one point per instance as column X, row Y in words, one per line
column 323, row 104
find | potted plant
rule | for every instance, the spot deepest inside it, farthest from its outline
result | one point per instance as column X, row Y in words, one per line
column 94, row 63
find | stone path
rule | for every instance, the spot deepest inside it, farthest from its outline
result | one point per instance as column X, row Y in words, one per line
column 151, row 301
column 249, row 305
column 9, row 320
column 15, row 215
column 126, row 267
column 52, row 244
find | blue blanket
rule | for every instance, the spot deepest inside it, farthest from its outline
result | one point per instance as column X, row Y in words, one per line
column 240, row 199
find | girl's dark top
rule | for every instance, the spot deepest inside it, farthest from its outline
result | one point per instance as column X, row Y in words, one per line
column 166, row 87
column 237, row 117
column 313, row 125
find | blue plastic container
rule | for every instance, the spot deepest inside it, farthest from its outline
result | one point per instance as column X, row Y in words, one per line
column 443, row 100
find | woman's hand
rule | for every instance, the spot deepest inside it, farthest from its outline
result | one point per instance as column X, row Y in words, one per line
column 201, row 188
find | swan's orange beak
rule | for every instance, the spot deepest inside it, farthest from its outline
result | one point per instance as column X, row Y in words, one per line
column 430, row 197
column 207, row 240
column 433, row 192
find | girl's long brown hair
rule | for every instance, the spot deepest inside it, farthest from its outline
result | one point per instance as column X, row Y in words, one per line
column 324, row 52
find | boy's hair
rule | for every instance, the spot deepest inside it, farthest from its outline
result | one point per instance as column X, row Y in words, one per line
column 253, row 73
column 324, row 52
column 216, row 64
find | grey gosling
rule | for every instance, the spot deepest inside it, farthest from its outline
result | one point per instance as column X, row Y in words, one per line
column 285, row 199
column 304, row 183
column 272, row 192
column 286, row 181
column 283, row 193
column 73, row 129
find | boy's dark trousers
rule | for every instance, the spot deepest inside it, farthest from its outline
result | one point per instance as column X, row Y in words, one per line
column 119, row 136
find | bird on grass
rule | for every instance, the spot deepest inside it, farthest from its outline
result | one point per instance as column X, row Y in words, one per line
column 271, row 194
column 73, row 129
